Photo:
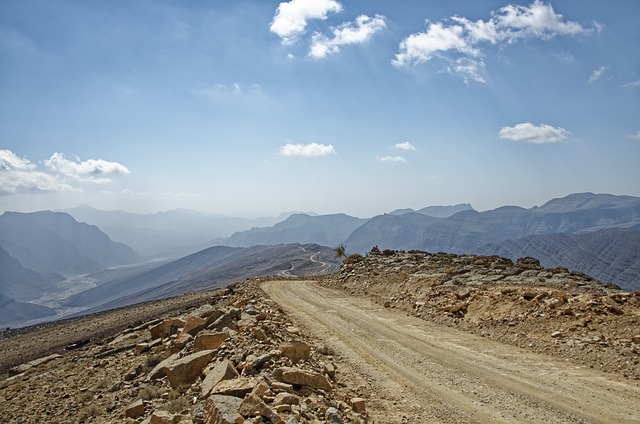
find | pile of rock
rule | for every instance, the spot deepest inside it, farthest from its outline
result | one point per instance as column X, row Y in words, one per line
column 555, row 311
column 232, row 361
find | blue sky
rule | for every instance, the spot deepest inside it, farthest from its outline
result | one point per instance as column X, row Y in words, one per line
column 362, row 107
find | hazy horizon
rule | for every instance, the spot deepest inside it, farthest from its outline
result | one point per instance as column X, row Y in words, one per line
column 255, row 108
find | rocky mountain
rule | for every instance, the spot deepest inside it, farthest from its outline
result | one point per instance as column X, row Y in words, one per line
column 13, row 312
column 18, row 282
column 436, row 211
column 326, row 230
column 404, row 231
column 54, row 243
column 168, row 234
column 208, row 269
column 611, row 255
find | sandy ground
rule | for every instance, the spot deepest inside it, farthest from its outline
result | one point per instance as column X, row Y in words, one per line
column 417, row 371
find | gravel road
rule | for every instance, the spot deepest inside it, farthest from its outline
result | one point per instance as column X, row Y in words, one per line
column 422, row 372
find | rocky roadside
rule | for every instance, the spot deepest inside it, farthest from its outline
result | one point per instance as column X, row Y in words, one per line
column 234, row 359
column 552, row 311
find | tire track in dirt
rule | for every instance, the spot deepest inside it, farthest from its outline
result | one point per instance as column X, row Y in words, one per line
column 452, row 376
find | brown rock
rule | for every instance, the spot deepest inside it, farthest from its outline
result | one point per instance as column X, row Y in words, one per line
column 253, row 406
column 184, row 371
column 296, row 351
column 208, row 340
column 222, row 410
column 182, row 340
column 166, row 328
column 134, row 409
column 194, row 325
column 261, row 389
column 286, row 399
column 278, row 386
column 358, row 405
column 223, row 371
column 237, row 387
column 302, row 378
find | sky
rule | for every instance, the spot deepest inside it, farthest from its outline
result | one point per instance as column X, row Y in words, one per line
column 257, row 107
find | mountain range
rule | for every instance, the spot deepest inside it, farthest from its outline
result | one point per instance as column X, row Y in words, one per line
column 52, row 265
column 167, row 234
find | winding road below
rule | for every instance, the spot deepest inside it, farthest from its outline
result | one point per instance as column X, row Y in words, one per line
column 420, row 372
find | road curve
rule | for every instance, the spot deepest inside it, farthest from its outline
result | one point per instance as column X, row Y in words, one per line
column 422, row 372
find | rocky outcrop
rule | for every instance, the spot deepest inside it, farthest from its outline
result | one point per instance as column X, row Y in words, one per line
column 548, row 310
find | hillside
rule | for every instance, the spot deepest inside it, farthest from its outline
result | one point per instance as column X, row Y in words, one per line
column 55, row 243
column 611, row 255
column 205, row 270
column 18, row 282
column 325, row 230
column 450, row 338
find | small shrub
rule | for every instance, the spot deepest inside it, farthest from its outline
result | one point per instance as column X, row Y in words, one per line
column 89, row 411
column 149, row 392
column 352, row 259
column 178, row 405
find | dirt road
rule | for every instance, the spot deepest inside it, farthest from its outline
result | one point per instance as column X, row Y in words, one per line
column 419, row 372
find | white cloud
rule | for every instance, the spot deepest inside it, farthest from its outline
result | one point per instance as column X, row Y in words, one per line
column 9, row 161
column 597, row 74
column 290, row 19
column 84, row 171
column 535, row 134
column 632, row 84
column 357, row 32
column 396, row 159
column 311, row 149
column 19, row 175
column 432, row 177
column 463, row 38
column 224, row 91
column 405, row 146
column 636, row 136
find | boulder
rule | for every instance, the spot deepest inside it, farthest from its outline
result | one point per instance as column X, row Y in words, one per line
column 237, row 387
column 296, row 351
column 208, row 340
column 227, row 320
column 222, row 410
column 194, row 325
column 222, row 371
column 166, row 328
column 301, row 377
column 184, row 371
column 253, row 406
column 286, row 399
column 134, row 409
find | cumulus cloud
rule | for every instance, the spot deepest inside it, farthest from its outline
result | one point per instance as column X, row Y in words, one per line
column 405, row 146
column 19, row 175
column 88, row 171
column 357, row 32
column 597, row 74
column 290, row 19
column 311, row 149
column 535, row 134
column 392, row 159
column 460, row 38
